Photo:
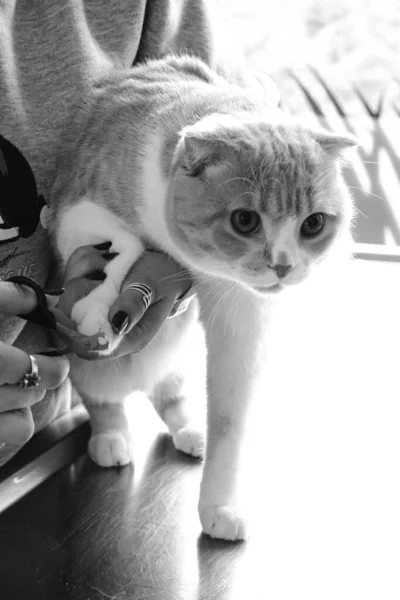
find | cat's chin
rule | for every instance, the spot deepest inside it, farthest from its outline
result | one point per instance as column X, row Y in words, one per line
column 266, row 290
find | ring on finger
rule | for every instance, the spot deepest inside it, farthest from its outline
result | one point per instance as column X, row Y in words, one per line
column 31, row 378
column 144, row 290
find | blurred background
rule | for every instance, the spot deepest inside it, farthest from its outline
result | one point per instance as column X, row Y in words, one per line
column 337, row 64
column 353, row 41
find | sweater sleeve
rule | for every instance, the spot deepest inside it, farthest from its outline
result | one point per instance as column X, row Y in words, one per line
column 196, row 27
column 49, row 54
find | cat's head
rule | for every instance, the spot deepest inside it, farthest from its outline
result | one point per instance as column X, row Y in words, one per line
column 257, row 202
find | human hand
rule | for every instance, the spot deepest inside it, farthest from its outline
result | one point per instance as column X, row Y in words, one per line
column 128, row 315
column 16, row 422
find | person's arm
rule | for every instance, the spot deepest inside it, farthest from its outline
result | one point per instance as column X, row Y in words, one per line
column 196, row 27
column 16, row 422
column 167, row 280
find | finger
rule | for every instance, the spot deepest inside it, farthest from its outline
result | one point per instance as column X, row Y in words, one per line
column 16, row 299
column 129, row 307
column 15, row 363
column 85, row 260
column 147, row 328
column 16, row 427
column 12, row 397
column 161, row 274
column 75, row 289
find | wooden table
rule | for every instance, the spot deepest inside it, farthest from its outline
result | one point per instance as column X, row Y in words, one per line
column 323, row 478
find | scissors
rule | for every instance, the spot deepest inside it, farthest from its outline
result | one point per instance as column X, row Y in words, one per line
column 55, row 319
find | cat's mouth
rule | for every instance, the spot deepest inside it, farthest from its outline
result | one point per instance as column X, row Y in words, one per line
column 269, row 289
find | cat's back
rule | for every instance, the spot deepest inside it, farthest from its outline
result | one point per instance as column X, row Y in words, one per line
column 159, row 90
column 149, row 87
column 125, row 107
column 132, row 101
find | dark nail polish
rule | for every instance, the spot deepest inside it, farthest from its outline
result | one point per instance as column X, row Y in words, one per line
column 103, row 246
column 52, row 352
column 120, row 322
column 55, row 292
column 97, row 276
column 110, row 255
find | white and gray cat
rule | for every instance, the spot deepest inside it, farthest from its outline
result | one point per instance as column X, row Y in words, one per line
column 170, row 155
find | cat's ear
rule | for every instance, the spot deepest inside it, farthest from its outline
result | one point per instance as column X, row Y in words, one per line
column 208, row 142
column 334, row 145
column 199, row 153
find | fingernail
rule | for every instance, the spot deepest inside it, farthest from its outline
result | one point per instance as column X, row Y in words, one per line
column 103, row 246
column 97, row 276
column 52, row 352
column 110, row 255
column 120, row 322
column 56, row 292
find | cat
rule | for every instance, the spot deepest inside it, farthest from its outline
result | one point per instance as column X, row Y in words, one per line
column 170, row 156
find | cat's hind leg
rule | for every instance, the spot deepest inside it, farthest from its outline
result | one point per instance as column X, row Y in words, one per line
column 175, row 402
column 180, row 396
column 104, row 386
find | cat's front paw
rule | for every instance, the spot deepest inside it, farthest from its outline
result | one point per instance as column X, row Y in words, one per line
column 92, row 318
column 190, row 441
column 111, row 449
column 223, row 522
column 89, row 316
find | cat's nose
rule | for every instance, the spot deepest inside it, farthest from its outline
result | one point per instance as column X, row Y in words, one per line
column 281, row 270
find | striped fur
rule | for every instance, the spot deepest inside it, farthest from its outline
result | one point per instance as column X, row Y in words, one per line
column 249, row 156
column 160, row 156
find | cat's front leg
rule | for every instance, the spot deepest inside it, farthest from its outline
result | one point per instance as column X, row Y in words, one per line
column 235, row 323
column 88, row 222
column 110, row 442
column 91, row 313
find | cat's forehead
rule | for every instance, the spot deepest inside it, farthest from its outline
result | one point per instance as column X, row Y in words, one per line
column 287, row 155
column 288, row 171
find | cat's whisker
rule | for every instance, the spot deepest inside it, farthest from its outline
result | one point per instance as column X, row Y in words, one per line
column 248, row 192
column 214, row 312
column 322, row 177
column 264, row 160
column 230, row 308
column 266, row 164
column 219, row 303
column 185, row 275
column 353, row 187
column 358, row 210
column 237, row 179
column 175, row 276
column 279, row 162
column 210, row 294
column 252, row 171
column 274, row 179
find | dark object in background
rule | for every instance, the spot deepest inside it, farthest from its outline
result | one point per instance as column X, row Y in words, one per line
column 20, row 204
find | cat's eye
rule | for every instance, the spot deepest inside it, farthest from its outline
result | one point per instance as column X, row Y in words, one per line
column 245, row 221
column 313, row 225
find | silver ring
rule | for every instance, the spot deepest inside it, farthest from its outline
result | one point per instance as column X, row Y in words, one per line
column 144, row 290
column 31, row 379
